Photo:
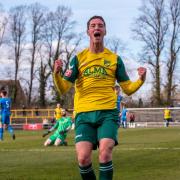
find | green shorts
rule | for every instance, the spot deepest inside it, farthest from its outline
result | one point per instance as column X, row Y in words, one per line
column 54, row 136
column 95, row 125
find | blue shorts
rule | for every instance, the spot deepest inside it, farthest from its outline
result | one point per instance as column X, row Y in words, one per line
column 123, row 119
column 5, row 118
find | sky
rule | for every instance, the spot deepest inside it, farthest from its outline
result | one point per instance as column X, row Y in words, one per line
column 118, row 14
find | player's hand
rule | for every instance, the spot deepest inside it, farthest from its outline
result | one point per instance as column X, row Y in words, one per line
column 142, row 73
column 45, row 134
column 58, row 64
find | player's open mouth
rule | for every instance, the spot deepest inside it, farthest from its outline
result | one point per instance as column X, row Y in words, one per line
column 97, row 34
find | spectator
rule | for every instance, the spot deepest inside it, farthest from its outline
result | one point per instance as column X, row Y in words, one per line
column 131, row 120
column 36, row 111
column 24, row 110
column 57, row 112
column 167, row 117
column 45, row 123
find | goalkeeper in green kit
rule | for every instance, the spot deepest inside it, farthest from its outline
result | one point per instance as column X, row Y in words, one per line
column 62, row 126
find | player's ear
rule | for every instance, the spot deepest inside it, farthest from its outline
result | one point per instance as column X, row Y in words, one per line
column 105, row 32
column 87, row 32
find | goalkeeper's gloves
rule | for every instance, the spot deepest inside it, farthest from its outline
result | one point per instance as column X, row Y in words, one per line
column 46, row 133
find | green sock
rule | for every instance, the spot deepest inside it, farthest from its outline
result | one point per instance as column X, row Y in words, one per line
column 106, row 171
column 87, row 172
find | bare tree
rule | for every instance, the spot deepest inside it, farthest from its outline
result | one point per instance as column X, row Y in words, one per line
column 48, row 38
column 3, row 25
column 72, row 42
column 43, row 76
column 17, row 26
column 37, row 22
column 58, row 37
column 174, row 13
column 115, row 44
column 63, row 25
column 150, row 28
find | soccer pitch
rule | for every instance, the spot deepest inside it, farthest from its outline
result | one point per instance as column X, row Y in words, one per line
column 142, row 154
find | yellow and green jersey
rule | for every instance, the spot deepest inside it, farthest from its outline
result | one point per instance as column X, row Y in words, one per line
column 57, row 113
column 167, row 114
column 94, row 76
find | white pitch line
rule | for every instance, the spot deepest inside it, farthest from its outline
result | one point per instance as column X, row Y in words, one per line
column 69, row 150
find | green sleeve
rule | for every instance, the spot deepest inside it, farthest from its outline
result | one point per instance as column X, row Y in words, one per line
column 121, row 74
column 56, row 125
column 71, row 73
column 70, row 121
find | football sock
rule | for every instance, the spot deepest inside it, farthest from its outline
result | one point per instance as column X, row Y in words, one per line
column 1, row 133
column 106, row 171
column 10, row 130
column 87, row 172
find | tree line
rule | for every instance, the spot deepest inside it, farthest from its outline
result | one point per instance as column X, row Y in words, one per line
column 158, row 28
column 38, row 36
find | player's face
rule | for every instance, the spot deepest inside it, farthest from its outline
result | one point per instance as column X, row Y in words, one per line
column 63, row 112
column 96, row 31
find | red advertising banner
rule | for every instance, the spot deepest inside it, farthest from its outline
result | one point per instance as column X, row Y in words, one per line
column 36, row 126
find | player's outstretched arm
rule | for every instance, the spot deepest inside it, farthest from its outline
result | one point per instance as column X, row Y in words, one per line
column 130, row 87
column 45, row 134
column 61, row 84
column 50, row 130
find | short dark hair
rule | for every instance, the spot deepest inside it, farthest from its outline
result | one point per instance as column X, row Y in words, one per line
column 95, row 17
column 4, row 92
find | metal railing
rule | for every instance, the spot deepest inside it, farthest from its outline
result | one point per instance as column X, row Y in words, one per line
column 28, row 114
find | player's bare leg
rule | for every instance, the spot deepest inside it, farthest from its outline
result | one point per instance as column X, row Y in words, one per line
column 105, row 158
column 84, row 152
column 57, row 142
column 47, row 142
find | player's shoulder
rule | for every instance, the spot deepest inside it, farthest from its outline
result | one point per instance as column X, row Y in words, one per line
column 113, row 54
column 2, row 100
column 110, row 54
column 108, row 51
column 82, row 53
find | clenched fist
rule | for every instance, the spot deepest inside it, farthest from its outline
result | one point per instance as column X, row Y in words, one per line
column 142, row 73
column 58, row 64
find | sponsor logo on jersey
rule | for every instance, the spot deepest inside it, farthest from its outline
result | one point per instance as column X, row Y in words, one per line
column 95, row 71
column 68, row 73
column 107, row 63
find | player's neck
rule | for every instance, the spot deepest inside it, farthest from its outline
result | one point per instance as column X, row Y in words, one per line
column 96, row 48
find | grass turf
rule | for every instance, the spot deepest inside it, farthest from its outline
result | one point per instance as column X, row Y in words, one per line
column 141, row 154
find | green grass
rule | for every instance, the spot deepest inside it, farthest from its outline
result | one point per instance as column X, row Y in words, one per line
column 142, row 154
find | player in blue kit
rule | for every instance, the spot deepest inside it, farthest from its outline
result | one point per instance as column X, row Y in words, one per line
column 5, row 104
column 124, row 114
column 119, row 100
